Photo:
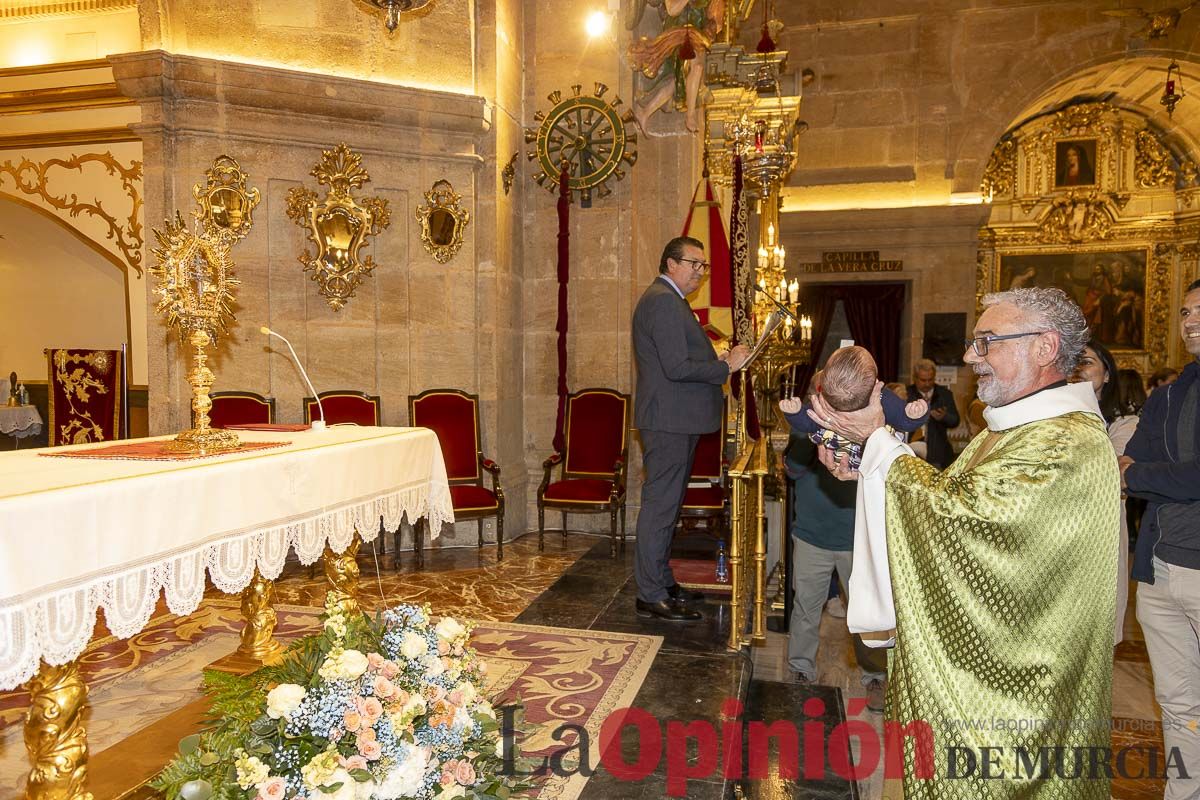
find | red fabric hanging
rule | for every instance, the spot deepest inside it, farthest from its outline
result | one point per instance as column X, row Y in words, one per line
column 743, row 306
column 564, row 276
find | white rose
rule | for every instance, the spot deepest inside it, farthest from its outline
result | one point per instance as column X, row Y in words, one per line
column 468, row 692
column 406, row 779
column 450, row 629
column 284, row 699
column 348, row 789
column 451, row 792
column 486, row 709
column 352, row 664
column 462, row 719
column 414, row 645
column 416, row 705
column 433, row 666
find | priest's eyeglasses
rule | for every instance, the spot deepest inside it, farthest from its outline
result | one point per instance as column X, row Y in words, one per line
column 697, row 265
column 982, row 343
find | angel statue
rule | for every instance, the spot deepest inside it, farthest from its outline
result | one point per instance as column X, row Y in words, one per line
column 672, row 63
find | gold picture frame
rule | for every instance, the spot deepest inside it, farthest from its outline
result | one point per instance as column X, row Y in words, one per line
column 443, row 222
column 225, row 202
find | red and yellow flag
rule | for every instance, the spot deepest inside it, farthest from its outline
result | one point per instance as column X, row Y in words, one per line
column 713, row 300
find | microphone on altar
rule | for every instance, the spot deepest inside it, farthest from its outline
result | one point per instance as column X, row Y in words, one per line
column 317, row 424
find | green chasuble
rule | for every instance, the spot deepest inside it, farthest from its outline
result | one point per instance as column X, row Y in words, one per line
column 1002, row 579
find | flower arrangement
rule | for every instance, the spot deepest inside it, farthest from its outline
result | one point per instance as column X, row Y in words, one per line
column 369, row 709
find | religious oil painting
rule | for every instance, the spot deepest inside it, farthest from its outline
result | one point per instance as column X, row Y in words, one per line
column 1075, row 163
column 1110, row 287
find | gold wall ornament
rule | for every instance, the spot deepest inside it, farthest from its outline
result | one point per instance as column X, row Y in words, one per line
column 394, row 8
column 509, row 173
column 338, row 226
column 586, row 133
column 443, row 222
column 195, row 290
column 1074, row 218
column 55, row 735
column 1000, row 175
column 1153, row 166
column 32, row 177
column 224, row 200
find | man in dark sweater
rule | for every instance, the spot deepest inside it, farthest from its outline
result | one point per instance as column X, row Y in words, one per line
column 1162, row 466
column 823, row 530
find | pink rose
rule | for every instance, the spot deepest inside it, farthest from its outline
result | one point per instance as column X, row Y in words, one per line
column 447, row 779
column 434, row 693
column 464, row 773
column 390, row 670
column 352, row 763
column 365, row 735
column 443, row 647
column 375, row 662
column 352, row 720
column 456, row 697
column 370, row 750
column 272, row 789
column 382, row 687
column 372, row 709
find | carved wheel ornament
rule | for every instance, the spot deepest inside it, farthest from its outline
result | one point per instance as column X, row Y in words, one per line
column 338, row 226
column 586, row 133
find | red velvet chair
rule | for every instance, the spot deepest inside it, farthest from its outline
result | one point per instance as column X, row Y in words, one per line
column 454, row 417
column 708, row 505
column 592, row 474
column 240, row 408
column 344, row 407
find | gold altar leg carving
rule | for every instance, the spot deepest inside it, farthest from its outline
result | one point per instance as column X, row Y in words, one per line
column 258, row 637
column 55, row 736
column 341, row 570
column 736, row 612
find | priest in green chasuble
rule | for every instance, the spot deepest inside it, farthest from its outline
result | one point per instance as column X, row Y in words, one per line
column 994, row 576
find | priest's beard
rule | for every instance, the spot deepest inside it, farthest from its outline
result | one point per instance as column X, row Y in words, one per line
column 996, row 392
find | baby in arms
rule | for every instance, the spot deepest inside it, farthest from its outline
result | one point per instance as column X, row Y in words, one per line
column 846, row 384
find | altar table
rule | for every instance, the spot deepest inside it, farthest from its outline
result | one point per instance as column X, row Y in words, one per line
column 77, row 535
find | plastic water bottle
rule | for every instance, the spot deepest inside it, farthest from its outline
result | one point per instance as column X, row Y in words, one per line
column 722, row 564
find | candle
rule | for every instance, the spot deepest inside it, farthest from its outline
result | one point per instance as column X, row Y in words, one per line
column 1170, row 87
column 794, row 291
column 770, row 234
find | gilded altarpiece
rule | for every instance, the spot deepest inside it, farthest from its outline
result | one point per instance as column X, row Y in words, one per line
column 1095, row 200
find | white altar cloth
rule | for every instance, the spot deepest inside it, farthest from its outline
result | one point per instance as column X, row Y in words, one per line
column 82, row 534
column 20, row 421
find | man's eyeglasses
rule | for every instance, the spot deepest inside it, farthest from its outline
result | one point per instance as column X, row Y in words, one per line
column 697, row 265
column 982, row 343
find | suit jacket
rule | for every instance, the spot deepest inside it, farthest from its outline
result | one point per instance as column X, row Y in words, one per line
column 679, row 376
column 939, row 452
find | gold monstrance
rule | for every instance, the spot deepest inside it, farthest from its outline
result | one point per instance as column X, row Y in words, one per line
column 195, row 289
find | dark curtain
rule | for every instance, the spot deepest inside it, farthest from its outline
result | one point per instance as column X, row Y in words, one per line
column 873, row 311
column 817, row 302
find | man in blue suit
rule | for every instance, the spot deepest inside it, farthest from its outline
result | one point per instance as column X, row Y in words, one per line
column 678, row 399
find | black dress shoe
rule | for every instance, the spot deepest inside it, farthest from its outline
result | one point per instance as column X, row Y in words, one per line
column 677, row 592
column 670, row 610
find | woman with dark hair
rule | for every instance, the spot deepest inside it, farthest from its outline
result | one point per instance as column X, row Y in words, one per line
column 1097, row 366
column 1162, row 378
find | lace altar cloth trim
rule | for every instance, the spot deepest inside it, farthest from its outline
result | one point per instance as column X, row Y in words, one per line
column 58, row 627
column 155, row 451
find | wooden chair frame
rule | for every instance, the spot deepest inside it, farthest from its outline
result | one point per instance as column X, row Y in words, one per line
column 615, row 505
column 483, row 464
column 309, row 403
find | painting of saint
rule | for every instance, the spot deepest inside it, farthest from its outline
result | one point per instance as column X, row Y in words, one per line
column 1109, row 287
column 1074, row 163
